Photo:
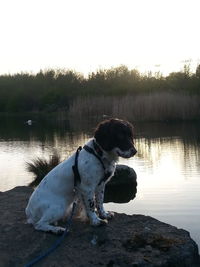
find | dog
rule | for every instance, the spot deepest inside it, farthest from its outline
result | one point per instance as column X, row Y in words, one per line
column 87, row 170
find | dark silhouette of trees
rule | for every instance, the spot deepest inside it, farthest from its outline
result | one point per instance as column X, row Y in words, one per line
column 53, row 90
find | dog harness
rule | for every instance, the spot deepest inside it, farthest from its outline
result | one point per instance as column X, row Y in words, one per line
column 77, row 178
column 97, row 152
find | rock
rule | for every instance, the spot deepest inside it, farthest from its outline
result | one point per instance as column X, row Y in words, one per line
column 127, row 240
column 122, row 187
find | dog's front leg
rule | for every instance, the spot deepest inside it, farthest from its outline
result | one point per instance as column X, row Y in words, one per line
column 89, row 203
column 99, row 203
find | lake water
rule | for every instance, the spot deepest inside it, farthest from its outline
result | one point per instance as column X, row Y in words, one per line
column 167, row 163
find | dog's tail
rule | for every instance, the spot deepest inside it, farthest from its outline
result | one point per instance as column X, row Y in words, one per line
column 40, row 167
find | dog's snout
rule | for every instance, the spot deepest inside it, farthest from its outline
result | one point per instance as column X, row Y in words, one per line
column 133, row 151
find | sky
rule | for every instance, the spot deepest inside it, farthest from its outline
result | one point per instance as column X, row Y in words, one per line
column 87, row 35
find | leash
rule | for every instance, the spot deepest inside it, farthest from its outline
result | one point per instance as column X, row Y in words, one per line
column 57, row 243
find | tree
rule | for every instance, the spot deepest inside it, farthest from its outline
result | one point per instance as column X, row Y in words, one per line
column 198, row 71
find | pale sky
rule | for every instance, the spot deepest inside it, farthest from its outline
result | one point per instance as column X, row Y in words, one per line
column 85, row 35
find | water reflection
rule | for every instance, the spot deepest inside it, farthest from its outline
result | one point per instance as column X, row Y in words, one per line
column 173, row 156
column 167, row 151
column 167, row 164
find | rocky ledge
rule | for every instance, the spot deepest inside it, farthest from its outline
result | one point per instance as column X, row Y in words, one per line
column 135, row 240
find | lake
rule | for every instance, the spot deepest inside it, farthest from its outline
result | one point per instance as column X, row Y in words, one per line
column 167, row 163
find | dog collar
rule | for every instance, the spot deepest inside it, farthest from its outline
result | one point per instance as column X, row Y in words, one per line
column 97, row 148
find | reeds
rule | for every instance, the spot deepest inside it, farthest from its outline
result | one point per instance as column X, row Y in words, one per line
column 55, row 90
column 163, row 106
column 40, row 167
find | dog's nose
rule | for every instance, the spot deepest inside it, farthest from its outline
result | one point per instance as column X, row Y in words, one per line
column 133, row 151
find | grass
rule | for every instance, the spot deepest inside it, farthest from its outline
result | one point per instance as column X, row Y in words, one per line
column 146, row 107
column 40, row 167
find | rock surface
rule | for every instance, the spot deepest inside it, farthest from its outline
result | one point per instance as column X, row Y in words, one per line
column 123, row 186
column 135, row 240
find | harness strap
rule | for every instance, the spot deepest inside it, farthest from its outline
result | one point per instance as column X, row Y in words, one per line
column 98, row 156
column 77, row 178
column 91, row 151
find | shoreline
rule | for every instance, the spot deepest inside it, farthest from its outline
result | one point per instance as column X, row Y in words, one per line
column 62, row 116
column 126, row 240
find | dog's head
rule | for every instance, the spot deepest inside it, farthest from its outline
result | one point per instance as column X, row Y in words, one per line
column 116, row 136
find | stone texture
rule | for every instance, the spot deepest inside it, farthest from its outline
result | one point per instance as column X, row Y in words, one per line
column 123, row 186
column 135, row 240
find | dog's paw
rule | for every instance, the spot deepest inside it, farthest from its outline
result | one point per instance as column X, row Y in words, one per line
column 107, row 215
column 57, row 230
column 99, row 222
column 103, row 222
column 60, row 231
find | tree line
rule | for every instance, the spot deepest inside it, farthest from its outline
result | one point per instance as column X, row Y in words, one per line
column 54, row 90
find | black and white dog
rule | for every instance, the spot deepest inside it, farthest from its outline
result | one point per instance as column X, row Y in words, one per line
column 54, row 196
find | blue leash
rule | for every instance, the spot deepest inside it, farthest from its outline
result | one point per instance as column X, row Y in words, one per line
column 57, row 243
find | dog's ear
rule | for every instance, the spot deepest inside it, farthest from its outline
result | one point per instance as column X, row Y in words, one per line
column 103, row 135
